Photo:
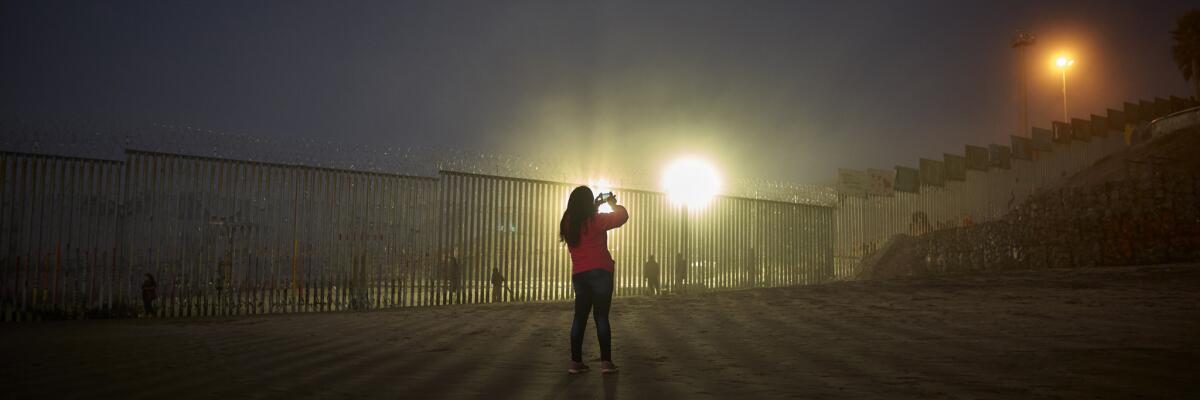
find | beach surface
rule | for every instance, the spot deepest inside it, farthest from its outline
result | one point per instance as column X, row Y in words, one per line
column 1113, row 332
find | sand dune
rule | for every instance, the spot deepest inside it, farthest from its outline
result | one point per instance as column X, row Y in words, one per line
column 1097, row 333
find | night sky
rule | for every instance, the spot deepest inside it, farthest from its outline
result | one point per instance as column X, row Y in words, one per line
column 784, row 90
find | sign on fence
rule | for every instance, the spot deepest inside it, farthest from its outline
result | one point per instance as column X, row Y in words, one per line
column 1116, row 120
column 881, row 182
column 956, row 167
column 908, row 180
column 1062, row 131
column 1022, row 148
column 1043, row 140
column 977, row 158
column 932, row 173
column 1081, row 130
column 852, row 182
column 1099, row 126
column 1000, row 156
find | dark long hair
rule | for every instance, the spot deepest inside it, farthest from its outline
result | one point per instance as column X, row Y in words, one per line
column 580, row 207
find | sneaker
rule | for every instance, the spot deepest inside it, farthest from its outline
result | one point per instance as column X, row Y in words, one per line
column 608, row 367
column 577, row 367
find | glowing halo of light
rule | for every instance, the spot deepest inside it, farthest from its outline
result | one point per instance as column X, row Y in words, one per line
column 1064, row 61
column 692, row 182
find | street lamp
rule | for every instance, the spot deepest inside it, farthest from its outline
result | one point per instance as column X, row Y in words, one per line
column 1063, row 63
column 1023, row 40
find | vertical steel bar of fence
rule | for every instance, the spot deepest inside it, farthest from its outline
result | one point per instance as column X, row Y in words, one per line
column 455, row 197
column 470, row 213
column 185, row 175
column 199, row 280
column 515, row 279
column 148, row 244
column 503, row 238
column 92, row 206
column 550, row 256
column 358, row 211
column 345, row 258
column 441, row 226
column 527, row 243
column 270, row 226
column 467, row 215
column 492, row 255
column 190, row 210
column 525, row 229
column 26, row 214
column 254, row 246
column 389, row 261
column 551, row 220
column 487, row 233
column 37, row 231
column 69, row 239
column 444, row 230
column 15, row 226
column 404, row 238
column 23, row 217
column 421, row 211
column 542, row 233
column 171, row 223
column 53, row 210
column 7, row 263
column 508, row 215
column 332, row 243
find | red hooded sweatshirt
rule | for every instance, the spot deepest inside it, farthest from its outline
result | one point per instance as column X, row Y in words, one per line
column 592, row 251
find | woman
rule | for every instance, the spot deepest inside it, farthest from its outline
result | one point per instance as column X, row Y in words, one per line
column 586, row 234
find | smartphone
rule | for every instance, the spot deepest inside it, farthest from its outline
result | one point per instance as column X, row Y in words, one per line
column 603, row 197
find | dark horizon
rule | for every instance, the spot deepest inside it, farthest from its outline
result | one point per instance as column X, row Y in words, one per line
column 772, row 90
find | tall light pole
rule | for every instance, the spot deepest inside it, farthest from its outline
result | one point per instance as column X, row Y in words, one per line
column 1063, row 63
column 1023, row 40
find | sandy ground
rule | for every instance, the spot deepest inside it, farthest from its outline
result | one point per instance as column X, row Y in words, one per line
column 1100, row 333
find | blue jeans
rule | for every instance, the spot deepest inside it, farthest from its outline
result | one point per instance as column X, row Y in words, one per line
column 593, row 290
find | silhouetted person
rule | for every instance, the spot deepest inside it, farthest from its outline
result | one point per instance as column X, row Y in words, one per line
column 681, row 272
column 497, row 285
column 149, row 293
column 586, row 233
column 919, row 225
column 751, row 265
column 454, row 274
column 651, row 272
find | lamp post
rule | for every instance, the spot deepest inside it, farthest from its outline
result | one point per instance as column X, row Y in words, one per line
column 1064, row 63
column 1023, row 40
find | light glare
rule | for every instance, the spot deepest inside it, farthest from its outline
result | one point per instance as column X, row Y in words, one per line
column 1064, row 62
column 692, row 182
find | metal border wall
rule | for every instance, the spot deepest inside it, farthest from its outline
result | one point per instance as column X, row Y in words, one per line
column 510, row 224
column 235, row 237
column 58, row 241
column 229, row 237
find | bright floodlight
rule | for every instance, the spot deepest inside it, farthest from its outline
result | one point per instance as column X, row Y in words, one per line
column 1064, row 62
column 692, row 182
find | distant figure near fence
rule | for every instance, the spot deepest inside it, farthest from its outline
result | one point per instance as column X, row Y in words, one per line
column 751, row 265
column 454, row 274
column 585, row 232
column 497, row 285
column 681, row 272
column 651, row 272
column 149, row 293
